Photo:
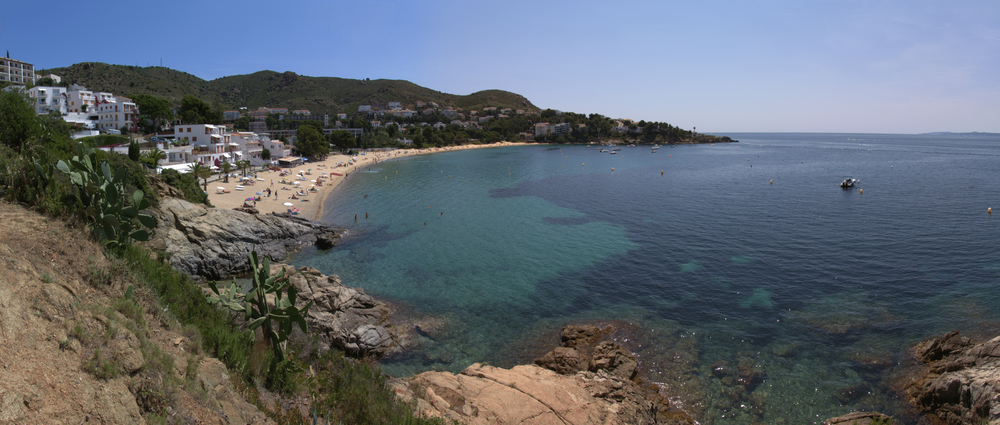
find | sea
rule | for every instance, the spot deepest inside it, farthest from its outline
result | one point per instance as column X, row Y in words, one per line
column 750, row 285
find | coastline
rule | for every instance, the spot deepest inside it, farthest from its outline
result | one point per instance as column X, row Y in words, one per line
column 311, row 205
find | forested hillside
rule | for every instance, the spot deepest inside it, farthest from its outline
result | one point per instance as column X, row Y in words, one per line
column 320, row 95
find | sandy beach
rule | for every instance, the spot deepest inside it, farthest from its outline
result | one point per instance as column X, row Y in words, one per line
column 313, row 186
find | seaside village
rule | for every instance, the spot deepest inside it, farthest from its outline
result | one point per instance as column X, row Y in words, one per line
column 266, row 139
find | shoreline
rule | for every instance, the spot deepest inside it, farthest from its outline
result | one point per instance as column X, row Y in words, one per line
column 311, row 204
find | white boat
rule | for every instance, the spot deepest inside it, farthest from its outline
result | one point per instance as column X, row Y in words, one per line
column 849, row 182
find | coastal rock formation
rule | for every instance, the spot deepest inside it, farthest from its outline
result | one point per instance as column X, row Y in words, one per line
column 577, row 383
column 578, row 353
column 963, row 383
column 213, row 244
column 342, row 316
column 527, row 394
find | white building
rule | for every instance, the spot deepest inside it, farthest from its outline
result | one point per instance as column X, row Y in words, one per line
column 114, row 112
column 80, row 99
column 276, row 148
column 395, row 106
column 210, row 144
column 48, row 99
column 365, row 108
column 248, row 147
column 16, row 71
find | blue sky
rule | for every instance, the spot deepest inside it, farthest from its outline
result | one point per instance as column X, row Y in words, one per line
column 720, row 66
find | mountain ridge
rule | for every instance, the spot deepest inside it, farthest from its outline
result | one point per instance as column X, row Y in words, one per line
column 320, row 95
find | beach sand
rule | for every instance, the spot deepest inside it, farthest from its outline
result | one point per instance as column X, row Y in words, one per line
column 310, row 205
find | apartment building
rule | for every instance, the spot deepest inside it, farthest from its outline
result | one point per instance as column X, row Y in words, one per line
column 16, row 71
column 48, row 99
column 210, row 144
column 80, row 99
column 114, row 112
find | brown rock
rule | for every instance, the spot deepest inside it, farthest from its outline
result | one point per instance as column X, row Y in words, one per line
column 937, row 348
column 963, row 386
column 574, row 336
column 615, row 359
column 564, row 361
column 342, row 316
column 527, row 395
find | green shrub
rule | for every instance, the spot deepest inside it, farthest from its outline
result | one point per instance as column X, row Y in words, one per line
column 186, row 183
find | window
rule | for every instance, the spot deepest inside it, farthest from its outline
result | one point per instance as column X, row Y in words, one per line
column 194, row 139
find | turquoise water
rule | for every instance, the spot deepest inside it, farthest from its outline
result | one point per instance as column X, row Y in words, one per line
column 791, row 301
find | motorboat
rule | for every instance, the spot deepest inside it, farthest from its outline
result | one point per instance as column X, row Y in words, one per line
column 849, row 182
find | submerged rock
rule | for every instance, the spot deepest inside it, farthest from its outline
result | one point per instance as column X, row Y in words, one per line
column 859, row 418
column 213, row 244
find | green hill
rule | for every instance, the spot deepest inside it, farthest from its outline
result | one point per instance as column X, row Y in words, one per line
column 320, row 95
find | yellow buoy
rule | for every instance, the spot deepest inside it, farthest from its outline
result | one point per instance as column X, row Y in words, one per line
column 862, row 191
column 612, row 168
column 583, row 165
column 661, row 172
column 772, row 181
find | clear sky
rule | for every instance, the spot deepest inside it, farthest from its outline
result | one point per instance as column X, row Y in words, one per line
column 907, row 66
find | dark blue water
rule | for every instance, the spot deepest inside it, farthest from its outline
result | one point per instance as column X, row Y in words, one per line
column 760, row 289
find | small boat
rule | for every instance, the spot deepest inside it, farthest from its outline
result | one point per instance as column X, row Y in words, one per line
column 602, row 150
column 613, row 152
column 848, row 182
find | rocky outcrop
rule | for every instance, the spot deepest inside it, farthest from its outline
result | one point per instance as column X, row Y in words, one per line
column 578, row 353
column 213, row 244
column 343, row 317
column 527, row 394
column 963, row 382
column 577, row 383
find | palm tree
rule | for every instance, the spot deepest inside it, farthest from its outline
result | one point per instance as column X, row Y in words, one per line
column 200, row 171
column 226, row 168
column 152, row 157
column 243, row 164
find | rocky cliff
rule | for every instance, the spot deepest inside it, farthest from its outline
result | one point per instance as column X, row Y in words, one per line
column 213, row 244
column 962, row 384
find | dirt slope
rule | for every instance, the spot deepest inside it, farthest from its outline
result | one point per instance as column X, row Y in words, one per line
column 74, row 350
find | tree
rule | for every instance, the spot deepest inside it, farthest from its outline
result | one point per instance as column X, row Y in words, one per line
column 200, row 171
column 242, row 165
column 226, row 168
column 196, row 111
column 391, row 129
column 153, row 111
column 152, row 157
column 265, row 154
column 310, row 142
column 19, row 124
column 343, row 140
column 133, row 151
